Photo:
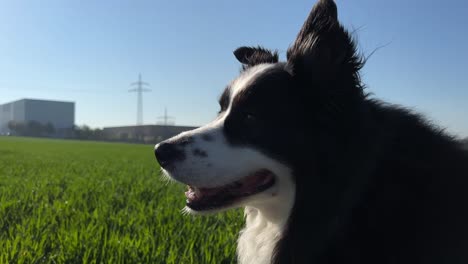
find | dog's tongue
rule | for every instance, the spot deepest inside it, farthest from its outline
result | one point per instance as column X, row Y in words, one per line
column 246, row 185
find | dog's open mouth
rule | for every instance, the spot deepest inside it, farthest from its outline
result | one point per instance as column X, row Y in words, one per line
column 199, row 198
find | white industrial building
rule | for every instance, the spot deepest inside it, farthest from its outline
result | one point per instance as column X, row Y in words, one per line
column 60, row 114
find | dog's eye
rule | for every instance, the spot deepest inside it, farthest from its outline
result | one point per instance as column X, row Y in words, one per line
column 249, row 117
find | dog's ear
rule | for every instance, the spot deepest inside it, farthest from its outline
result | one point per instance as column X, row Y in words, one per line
column 323, row 48
column 250, row 56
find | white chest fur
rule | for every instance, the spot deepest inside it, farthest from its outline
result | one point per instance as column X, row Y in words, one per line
column 259, row 237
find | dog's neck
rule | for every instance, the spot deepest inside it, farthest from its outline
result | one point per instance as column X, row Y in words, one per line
column 263, row 229
column 267, row 215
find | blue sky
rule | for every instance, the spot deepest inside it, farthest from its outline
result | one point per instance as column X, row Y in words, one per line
column 90, row 51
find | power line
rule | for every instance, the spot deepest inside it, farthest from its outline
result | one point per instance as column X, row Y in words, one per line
column 139, row 90
column 166, row 119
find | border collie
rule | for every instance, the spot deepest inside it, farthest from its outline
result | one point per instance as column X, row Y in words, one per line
column 349, row 179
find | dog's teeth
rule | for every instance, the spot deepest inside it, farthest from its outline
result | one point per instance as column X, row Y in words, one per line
column 190, row 195
column 193, row 193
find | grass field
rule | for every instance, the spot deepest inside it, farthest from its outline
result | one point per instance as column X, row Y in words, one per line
column 89, row 202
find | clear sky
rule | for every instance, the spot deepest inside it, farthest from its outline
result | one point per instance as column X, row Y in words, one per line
column 89, row 52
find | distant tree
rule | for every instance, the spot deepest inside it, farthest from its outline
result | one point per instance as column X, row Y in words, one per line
column 85, row 132
column 34, row 128
column 12, row 125
column 17, row 128
column 98, row 134
column 82, row 132
column 49, row 128
column 31, row 128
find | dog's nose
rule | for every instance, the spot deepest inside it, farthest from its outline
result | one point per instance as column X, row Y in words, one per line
column 167, row 153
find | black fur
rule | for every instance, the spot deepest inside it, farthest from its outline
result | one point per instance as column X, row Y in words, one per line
column 375, row 183
column 250, row 56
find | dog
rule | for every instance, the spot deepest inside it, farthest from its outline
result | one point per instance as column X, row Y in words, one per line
column 349, row 178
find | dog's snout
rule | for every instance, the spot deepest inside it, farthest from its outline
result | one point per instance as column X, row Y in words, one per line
column 166, row 153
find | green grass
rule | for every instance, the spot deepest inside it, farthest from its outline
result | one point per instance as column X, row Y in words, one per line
column 90, row 202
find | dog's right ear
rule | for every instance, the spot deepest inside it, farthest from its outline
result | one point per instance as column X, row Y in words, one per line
column 323, row 49
column 251, row 56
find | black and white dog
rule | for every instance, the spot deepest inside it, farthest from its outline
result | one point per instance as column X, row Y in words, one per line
column 348, row 179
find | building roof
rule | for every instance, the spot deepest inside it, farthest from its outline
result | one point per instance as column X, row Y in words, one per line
column 40, row 100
